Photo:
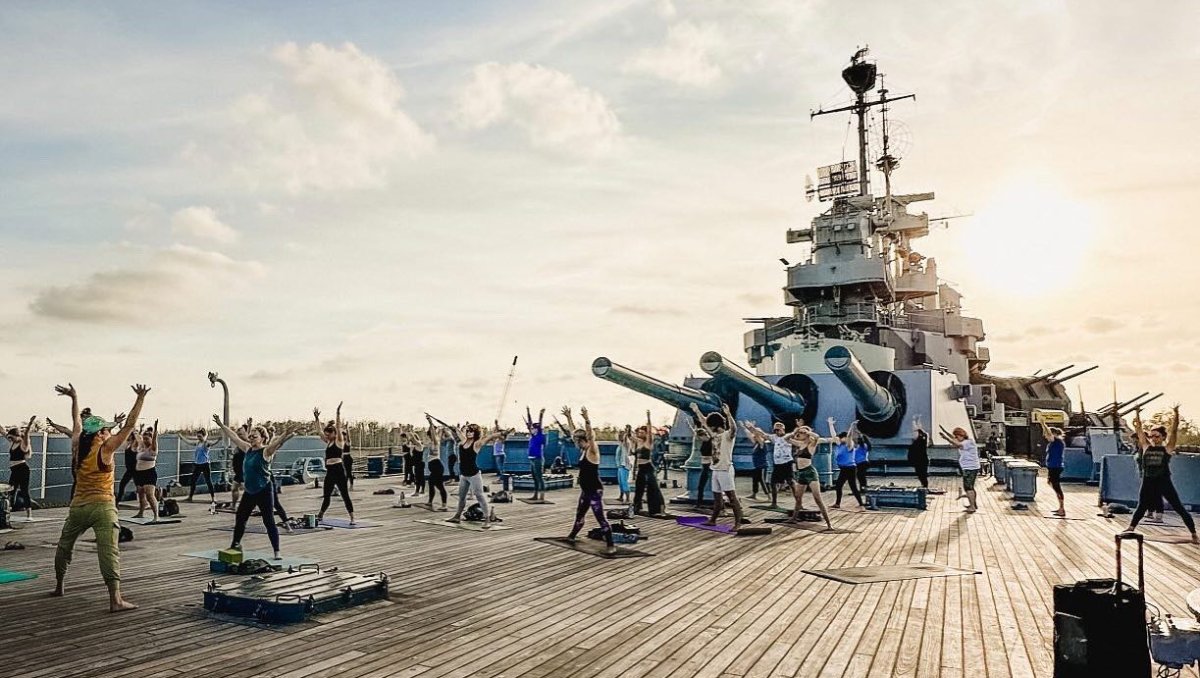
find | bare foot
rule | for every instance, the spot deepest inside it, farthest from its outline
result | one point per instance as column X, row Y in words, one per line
column 121, row 605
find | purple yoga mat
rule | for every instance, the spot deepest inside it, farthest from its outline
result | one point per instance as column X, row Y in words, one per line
column 698, row 522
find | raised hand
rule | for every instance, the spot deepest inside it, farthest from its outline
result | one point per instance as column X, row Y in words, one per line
column 339, row 408
column 583, row 413
column 140, row 389
column 217, row 420
column 119, row 418
column 317, row 414
column 68, row 390
column 566, row 411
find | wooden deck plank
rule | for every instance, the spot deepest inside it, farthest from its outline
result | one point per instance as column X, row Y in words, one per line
column 486, row 605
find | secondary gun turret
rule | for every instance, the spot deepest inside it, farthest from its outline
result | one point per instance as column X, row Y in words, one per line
column 879, row 395
column 681, row 397
column 794, row 396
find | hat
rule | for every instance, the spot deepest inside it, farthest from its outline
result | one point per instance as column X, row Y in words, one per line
column 94, row 424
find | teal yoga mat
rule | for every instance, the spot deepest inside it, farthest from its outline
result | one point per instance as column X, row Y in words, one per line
column 7, row 576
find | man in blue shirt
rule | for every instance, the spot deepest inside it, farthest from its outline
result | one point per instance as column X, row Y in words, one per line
column 537, row 441
column 1055, row 446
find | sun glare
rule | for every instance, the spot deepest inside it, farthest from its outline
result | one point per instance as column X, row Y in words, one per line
column 1029, row 239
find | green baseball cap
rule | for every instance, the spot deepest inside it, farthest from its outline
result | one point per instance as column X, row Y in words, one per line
column 94, row 424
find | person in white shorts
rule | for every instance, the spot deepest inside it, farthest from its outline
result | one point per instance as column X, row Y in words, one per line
column 722, row 429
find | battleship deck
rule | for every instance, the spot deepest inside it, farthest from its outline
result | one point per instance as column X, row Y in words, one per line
column 499, row 604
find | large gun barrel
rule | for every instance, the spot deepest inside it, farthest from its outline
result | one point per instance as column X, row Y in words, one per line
column 783, row 403
column 879, row 395
column 681, row 397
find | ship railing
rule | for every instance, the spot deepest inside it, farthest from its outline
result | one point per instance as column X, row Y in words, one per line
column 836, row 314
column 937, row 325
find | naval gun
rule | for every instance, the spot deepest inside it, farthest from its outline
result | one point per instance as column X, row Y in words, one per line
column 879, row 395
column 793, row 396
column 681, row 397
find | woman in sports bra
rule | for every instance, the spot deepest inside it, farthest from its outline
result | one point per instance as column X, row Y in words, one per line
column 804, row 442
column 591, row 491
column 19, row 452
column 470, row 479
column 145, row 474
column 645, row 481
column 335, row 471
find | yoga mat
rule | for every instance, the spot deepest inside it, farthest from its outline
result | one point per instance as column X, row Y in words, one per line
column 592, row 547
column 698, row 522
column 466, row 525
column 883, row 573
column 660, row 516
column 286, row 561
column 35, row 519
column 7, row 576
column 345, row 524
column 1049, row 516
column 531, row 501
column 768, row 507
column 146, row 520
column 437, row 509
column 261, row 529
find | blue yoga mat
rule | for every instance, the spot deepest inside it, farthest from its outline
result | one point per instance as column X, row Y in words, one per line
column 7, row 576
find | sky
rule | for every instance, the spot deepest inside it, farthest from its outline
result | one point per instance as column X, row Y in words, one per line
column 383, row 203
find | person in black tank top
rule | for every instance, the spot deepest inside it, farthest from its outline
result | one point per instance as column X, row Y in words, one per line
column 591, row 491
column 470, row 482
column 1158, row 446
column 130, row 467
column 19, row 472
column 347, row 460
column 332, row 434
column 645, row 482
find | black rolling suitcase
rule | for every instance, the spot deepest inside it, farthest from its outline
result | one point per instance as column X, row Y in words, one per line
column 1100, row 625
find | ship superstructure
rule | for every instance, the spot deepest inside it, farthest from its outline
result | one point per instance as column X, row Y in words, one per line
column 874, row 335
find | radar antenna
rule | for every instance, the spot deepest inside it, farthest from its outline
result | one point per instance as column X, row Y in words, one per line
column 860, row 76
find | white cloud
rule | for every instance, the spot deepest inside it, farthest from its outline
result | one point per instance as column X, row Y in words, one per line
column 202, row 222
column 689, row 56
column 171, row 281
column 548, row 105
column 338, row 125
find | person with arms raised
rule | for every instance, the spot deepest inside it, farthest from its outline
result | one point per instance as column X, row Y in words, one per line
column 93, row 506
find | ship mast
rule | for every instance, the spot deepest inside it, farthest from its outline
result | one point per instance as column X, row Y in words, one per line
column 860, row 77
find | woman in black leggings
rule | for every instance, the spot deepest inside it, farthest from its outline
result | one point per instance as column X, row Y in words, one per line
column 918, row 453
column 645, row 480
column 260, row 487
column 847, row 469
column 591, row 491
column 335, row 471
column 130, row 465
column 1158, row 445
column 19, row 452
column 435, row 473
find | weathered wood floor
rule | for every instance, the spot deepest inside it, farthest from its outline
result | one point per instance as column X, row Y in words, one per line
column 499, row 604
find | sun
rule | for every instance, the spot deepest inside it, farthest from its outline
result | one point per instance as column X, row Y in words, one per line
column 1029, row 238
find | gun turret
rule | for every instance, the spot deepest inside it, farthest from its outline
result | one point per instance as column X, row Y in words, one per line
column 795, row 396
column 879, row 395
column 681, row 397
